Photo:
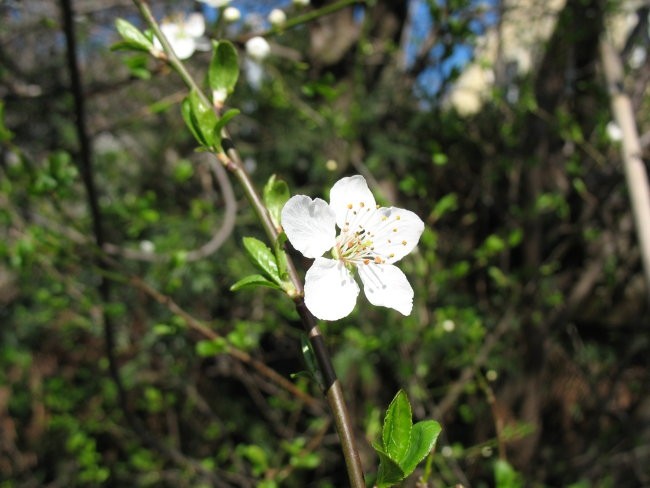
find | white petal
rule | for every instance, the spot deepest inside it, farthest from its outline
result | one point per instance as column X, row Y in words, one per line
column 182, row 44
column 309, row 225
column 395, row 232
column 183, row 47
column 194, row 24
column 349, row 197
column 330, row 289
column 385, row 285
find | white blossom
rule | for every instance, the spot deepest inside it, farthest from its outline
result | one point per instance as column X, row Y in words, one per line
column 370, row 240
column 231, row 14
column 614, row 132
column 303, row 3
column 277, row 17
column 183, row 34
column 216, row 3
column 258, row 48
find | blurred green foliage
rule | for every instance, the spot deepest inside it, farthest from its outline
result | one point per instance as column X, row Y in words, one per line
column 526, row 279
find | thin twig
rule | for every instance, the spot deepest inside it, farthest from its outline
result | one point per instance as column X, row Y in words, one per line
column 210, row 334
column 232, row 161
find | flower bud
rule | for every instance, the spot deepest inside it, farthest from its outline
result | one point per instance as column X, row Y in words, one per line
column 258, row 48
column 277, row 17
column 231, row 14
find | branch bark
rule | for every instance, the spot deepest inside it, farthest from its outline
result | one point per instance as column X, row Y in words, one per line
column 633, row 166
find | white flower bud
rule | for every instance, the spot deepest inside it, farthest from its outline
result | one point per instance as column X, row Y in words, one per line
column 231, row 14
column 216, row 3
column 147, row 246
column 448, row 325
column 219, row 96
column 258, row 48
column 277, row 17
column 614, row 131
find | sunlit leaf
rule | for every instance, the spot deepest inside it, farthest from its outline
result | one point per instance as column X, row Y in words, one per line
column 396, row 432
column 423, row 437
column 224, row 68
column 262, row 257
column 253, row 281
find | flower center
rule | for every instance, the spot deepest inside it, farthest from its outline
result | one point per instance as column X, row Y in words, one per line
column 354, row 245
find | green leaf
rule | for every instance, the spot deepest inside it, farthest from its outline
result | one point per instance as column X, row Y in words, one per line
column 224, row 68
column 262, row 257
column 221, row 123
column 190, row 121
column 5, row 134
column 201, row 119
column 211, row 347
column 396, row 434
column 276, row 194
column 423, row 438
column 133, row 38
column 137, row 65
column 253, row 281
column 204, row 117
column 389, row 472
column 281, row 258
column 310, row 360
column 505, row 475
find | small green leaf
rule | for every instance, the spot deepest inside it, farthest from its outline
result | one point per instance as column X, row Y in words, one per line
column 389, row 472
column 423, row 437
column 276, row 194
column 190, row 121
column 396, row 434
column 253, row 281
column 221, row 123
column 204, row 117
column 5, row 134
column 262, row 257
column 310, row 360
column 137, row 65
column 211, row 347
column 281, row 257
column 224, row 68
column 133, row 37
column 505, row 475
column 201, row 119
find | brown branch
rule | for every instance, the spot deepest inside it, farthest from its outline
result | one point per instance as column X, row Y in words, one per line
column 232, row 161
column 206, row 332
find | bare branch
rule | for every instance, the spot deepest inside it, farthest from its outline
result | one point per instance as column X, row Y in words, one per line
column 635, row 173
